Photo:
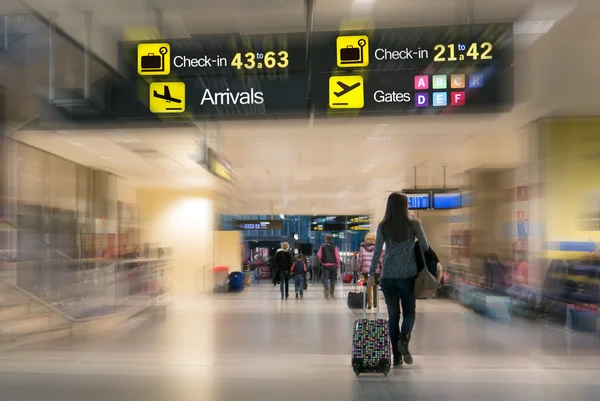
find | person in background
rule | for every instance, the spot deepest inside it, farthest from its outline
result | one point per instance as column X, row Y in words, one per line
column 329, row 258
column 355, row 268
column 315, row 267
column 274, row 274
column 496, row 274
column 257, row 271
column 398, row 232
column 521, row 269
column 299, row 271
column 283, row 264
column 306, row 260
column 365, row 258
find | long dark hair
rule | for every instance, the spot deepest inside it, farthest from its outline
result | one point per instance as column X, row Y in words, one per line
column 396, row 221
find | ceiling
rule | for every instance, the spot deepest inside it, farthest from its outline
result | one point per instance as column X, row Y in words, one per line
column 113, row 20
column 299, row 166
column 181, row 17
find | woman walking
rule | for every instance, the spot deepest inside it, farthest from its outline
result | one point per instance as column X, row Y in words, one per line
column 398, row 232
column 365, row 257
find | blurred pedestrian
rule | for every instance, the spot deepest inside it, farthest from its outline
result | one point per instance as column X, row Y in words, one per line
column 315, row 267
column 329, row 258
column 283, row 265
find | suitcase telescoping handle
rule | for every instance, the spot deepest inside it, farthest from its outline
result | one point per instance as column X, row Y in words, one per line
column 365, row 288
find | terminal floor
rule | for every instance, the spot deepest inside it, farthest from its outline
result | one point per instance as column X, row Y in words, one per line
column 253, row 346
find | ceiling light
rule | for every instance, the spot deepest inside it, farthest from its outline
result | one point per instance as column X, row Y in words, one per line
column 76, row 143
column 365, row 1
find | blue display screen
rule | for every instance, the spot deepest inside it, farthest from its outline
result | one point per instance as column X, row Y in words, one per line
column 418, row 201
column 450, row 200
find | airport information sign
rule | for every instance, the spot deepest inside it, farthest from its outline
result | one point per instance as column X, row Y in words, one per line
column 341, row 223
column 222, row 96
column 419, row 201
column 359, row 223
column 393, row 71
column 414, row 70
column 211, row 55
column 422, row 48
column 259, row 225
column 328, row 223
column 216, row 75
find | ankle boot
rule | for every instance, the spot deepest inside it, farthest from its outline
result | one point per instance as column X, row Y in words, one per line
column 403, row 348
column 397, row 362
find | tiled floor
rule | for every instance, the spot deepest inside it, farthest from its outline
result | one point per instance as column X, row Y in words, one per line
column 253, row 346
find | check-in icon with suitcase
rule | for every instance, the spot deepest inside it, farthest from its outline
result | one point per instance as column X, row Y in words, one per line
column 154, row 59
column 352, row 51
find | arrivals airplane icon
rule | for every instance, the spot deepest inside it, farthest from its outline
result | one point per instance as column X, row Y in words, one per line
column 166, row 95
column 345, row 88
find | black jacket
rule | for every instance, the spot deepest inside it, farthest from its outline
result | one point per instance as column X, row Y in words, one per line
column 283, row 261
column 431, row 260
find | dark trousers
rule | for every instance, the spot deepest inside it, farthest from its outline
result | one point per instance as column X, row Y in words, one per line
column 329, row 277
column 284, row 283
column 316, row 274
column 397, row 293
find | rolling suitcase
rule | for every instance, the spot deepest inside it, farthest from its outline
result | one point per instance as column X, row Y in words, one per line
column 355, row 299
column 371, row 348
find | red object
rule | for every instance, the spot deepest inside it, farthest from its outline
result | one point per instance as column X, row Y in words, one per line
column 220, row 269
column 151, row 286
column 458, row 98
column 348, row 278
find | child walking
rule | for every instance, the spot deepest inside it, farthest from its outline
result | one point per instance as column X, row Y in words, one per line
column 299, row 272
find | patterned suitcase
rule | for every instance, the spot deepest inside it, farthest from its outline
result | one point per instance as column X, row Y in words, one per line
column 371, row 348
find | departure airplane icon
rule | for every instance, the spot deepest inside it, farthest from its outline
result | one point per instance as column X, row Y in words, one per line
column 345, row 88
column 166, row 95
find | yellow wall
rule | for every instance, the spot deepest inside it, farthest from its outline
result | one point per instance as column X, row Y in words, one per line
column 572, row 172
column 228, row 249
column 182, row 221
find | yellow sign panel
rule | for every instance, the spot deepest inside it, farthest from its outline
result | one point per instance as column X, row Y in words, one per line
column 154, row 59
column 167, row 97
column 352, row 51
column 346, row 92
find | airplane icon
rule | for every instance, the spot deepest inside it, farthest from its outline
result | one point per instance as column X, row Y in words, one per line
column 166, row 95
column 346, row 92
column 345, row 88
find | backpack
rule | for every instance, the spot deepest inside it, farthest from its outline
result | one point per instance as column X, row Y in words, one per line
column 328, row 254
